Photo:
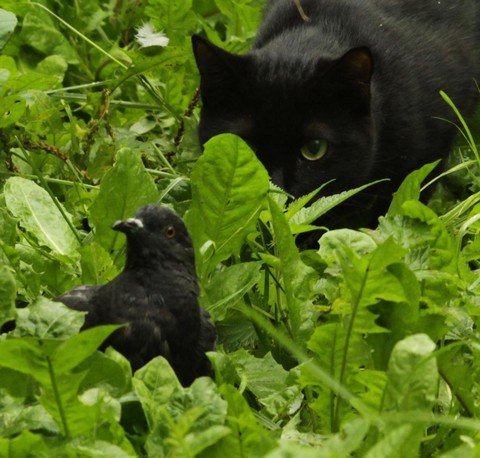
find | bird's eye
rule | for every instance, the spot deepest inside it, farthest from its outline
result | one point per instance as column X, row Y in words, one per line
column 315, row 149
column 170, row 232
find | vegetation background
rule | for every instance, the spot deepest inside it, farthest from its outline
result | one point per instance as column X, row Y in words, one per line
column 368, row 346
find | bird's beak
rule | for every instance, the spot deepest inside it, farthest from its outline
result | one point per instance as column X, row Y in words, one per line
column 128, row 225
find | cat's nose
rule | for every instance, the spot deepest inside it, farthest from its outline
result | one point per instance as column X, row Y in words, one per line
column 276, row 175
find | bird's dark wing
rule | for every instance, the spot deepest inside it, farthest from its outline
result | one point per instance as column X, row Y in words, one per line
column 125, row 300
column 79, row 298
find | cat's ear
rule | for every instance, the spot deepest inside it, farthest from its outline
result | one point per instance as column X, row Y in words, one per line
column 218, row 68
column 355, row 66
column 353, row 71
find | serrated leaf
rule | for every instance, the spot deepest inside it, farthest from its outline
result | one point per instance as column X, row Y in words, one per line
column 376, row 277
column 124, row 188
column 35, row 211
column 323, row 205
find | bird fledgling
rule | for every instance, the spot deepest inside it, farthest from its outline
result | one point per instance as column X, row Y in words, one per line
column 156, row 294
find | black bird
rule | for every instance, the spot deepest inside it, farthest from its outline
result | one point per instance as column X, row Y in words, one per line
column 156, row 294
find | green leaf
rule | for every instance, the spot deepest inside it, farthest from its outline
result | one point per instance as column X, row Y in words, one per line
column 412, row 374
column 410, row 188
column 26, row 355
column 328, row 343
column 199, row 414
column 154, row 384
column 98, row 448
column 131, row 186
column 267, row 380
column 228, row 286
column 182, row 421
column 38, row 31
column 106, row 372
column 323, row 205
column 29, row 82
column 55, row 66
column 39, row 216
column 23, row 444
column 360, row 243
column 376, row 277
column 16, row 417
column 458, row 370
column 423, row 234
column 229, row 186
column 242, row 18
column 8, row 293
column 13, row 108
column 396, row 444
column 48, row 319
column 236, row 330
column 97, row 265
column 297, row 277
column 176, row 19
column 8, row 21
column 248, row 437
column 79, row 347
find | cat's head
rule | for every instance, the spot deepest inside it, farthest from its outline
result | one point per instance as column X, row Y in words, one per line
column 308, row 120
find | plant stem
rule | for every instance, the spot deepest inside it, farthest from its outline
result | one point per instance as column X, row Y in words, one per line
column 163, row 159
column 49, row 180
column 58, row 400
column 356, row 304
column 81, row 35
column 78, row 86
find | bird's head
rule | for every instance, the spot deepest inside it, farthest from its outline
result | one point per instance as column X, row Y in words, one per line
column 156, row 233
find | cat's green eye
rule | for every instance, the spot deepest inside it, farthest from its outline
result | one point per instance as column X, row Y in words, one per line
column 315, row 149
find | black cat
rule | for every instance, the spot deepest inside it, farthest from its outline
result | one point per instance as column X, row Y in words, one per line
column 352, row 94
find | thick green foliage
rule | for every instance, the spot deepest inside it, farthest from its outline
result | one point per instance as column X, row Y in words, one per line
column 366, row 346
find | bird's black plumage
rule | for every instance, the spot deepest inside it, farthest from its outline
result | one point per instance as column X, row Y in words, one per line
column 156, row 294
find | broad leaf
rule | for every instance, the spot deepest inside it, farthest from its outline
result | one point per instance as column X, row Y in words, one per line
column 8, row 21
column 248, row 437
column 36, row 212
column 124, row 188
column 229, row 186
column 48, row 319
column 412, row 374
column 79, row 347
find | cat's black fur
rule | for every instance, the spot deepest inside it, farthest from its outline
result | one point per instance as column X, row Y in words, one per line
column 363, row 74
